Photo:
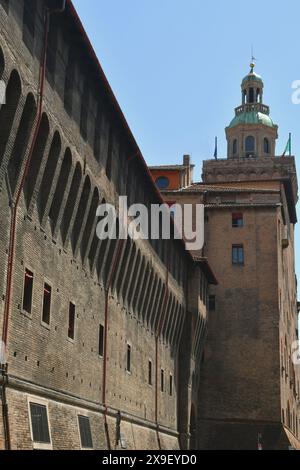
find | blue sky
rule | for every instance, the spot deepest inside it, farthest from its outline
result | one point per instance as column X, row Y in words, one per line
column 176, row 66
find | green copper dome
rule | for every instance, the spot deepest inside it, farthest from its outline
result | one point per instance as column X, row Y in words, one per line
column 252, row 77
column 252, row 117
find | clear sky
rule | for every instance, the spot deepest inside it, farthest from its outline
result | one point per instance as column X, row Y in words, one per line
column 176, row 66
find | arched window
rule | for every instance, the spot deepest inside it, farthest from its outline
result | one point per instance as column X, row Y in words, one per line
column 251, row 95
column 162, row 182
column 234, row 147
column 250, row 145
column 266, row 145
column 258, row 95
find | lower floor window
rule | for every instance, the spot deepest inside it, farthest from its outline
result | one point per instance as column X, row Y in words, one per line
column 85, row 432
column 39, row 423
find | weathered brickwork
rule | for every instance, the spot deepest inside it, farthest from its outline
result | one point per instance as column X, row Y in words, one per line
column 80, row 152
column 249, row 383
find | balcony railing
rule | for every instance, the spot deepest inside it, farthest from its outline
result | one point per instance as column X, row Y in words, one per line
column 257, row 107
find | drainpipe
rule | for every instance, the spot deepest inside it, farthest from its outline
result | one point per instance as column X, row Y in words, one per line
column 14, row 210
column 157, row 335
column 5, row 407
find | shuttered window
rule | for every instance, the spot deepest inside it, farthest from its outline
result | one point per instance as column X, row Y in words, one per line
column 39, row 423
column 85, row 432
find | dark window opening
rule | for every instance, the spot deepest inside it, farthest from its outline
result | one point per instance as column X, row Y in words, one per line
column 250, row 145
column 162, row 182
column 238, row 254
column 212, row 303
column 29, row 15
column 234, row 147
column 162, row 380
column 101, row 340
column 128, row 361
column 150, row 373
column 251, row 95
column 71, row 327
column 171, row 385
column 85, row 432
column 46, row 304
column 28, row 289
column 266, row 146
column 237, row 220
column 39, row 424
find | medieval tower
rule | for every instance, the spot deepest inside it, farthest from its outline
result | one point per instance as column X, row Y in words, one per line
column 249, row 385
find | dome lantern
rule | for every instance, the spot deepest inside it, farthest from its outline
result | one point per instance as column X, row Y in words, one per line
column 252, row 122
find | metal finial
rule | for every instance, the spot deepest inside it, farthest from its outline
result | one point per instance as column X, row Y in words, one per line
column 253, row 59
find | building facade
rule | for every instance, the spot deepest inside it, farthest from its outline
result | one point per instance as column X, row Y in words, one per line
column 249, row 384
column 101, row 340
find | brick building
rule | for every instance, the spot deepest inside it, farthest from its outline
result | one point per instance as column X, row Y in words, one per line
column 249, row 386
column 102, row 340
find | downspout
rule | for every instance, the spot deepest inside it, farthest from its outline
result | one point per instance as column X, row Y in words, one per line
column 5, row 407
column 157, row 335
column 14, row 210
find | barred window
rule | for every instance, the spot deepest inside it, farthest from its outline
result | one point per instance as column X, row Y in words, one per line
column 85, row 432
column 39, row 423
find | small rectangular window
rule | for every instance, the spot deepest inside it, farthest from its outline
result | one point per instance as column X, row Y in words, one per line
column 237, row 220
column 162, row 380
column 150, row 372
column 85, row 432
column 27, row 291
column 71, row 327
column 128, row 362
column 212, row 303
column 46, row 304
column 101, row 340
column 39, row 423
column 171, row 385
column 238, row 254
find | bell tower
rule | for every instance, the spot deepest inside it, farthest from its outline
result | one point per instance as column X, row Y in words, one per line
column 252, row 133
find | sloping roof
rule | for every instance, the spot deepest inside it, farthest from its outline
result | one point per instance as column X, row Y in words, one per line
column 171, row 167
column 202, row 187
